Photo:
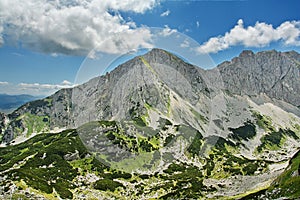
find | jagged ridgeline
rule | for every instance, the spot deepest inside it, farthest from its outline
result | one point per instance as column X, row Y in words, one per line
column 159, row 127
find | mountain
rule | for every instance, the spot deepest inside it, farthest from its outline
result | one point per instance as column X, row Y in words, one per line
column 159, row 127
column 272, row 73
column 11, row 102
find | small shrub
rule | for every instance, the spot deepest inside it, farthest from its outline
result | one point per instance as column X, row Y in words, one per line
column 107, row 184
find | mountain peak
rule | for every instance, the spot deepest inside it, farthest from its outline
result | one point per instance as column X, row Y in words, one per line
column 293, row 55
column 157, row 51
column 154, row 55
column 246, row 53
column 158, row 55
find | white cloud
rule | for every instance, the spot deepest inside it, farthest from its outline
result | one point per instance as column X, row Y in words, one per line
column 39, row 86
column 1, row 37
column 128, row 40
column 137, row 6
column 197, row 24
column 166, row 13
column 38, row 89
column 259, row 35
column 167, row 31
column 185, row 44
column 17, row 54
column 3, row 83
column 72, row 27
column 66, row 82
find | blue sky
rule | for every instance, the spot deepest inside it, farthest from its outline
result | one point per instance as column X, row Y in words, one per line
column 47, row 45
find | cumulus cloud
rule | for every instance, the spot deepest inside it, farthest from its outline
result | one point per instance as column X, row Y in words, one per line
column 167, row 31
column 1, row 37
column 259, row 35
column 73, row 27
column 39, row 89
column 185, row 44
column 166, row 13
column 66, row 82
column 3, row 83
column 39, row 86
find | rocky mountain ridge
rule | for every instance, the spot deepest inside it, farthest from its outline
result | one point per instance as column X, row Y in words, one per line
column 234, row 127
column 272, row 73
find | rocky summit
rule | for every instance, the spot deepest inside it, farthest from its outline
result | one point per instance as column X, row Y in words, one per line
column 157, row 127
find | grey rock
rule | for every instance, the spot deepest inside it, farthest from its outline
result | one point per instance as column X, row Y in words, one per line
column 72, row 156
column 272, row 73
column 2, row 122
column 152, row 78
column 8, row 135
column 57, row 107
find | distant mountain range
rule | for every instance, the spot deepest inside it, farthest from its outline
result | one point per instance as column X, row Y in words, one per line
column 159, row 127
column 12, row 102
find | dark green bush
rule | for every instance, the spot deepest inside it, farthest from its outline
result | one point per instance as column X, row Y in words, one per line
column 245, row 132
column 107, row 184
column 195, row 147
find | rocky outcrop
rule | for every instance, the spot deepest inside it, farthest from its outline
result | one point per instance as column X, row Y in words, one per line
column 3, row 119
column 147, row 79
column 57, row 107
column 38, row 116
column 272, row 73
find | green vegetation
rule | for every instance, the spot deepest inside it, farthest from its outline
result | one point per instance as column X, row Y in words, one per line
column 34, row 123
column 275, row 139
column 297, row 127
column 184, row 182
column 245, row 132
column 222, row 163
column 198, row 116
column 263, row 121
column 136, row 143
column 141, row 161
column 287, row 184
column 33, row 105
column 140, row 120
column 107, row 184
column 168, row 139
column 145, row 139
column 45, row 167
column 49, row 101
column 148, row 65
column 174, row 168
column 44, row 164
column 195, row 147
column 107, row 123
column 41, row 163
column 43, row 151
column 89, row 164
column 169, row 108
column 164, row 124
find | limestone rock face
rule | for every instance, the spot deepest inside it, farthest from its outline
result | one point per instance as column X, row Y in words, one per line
column 273, row 73
column 147, row 79
column 171, row 87
column 57, row 107
column 3, row 118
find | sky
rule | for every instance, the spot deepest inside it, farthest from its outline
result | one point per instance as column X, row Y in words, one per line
column 46, row 45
